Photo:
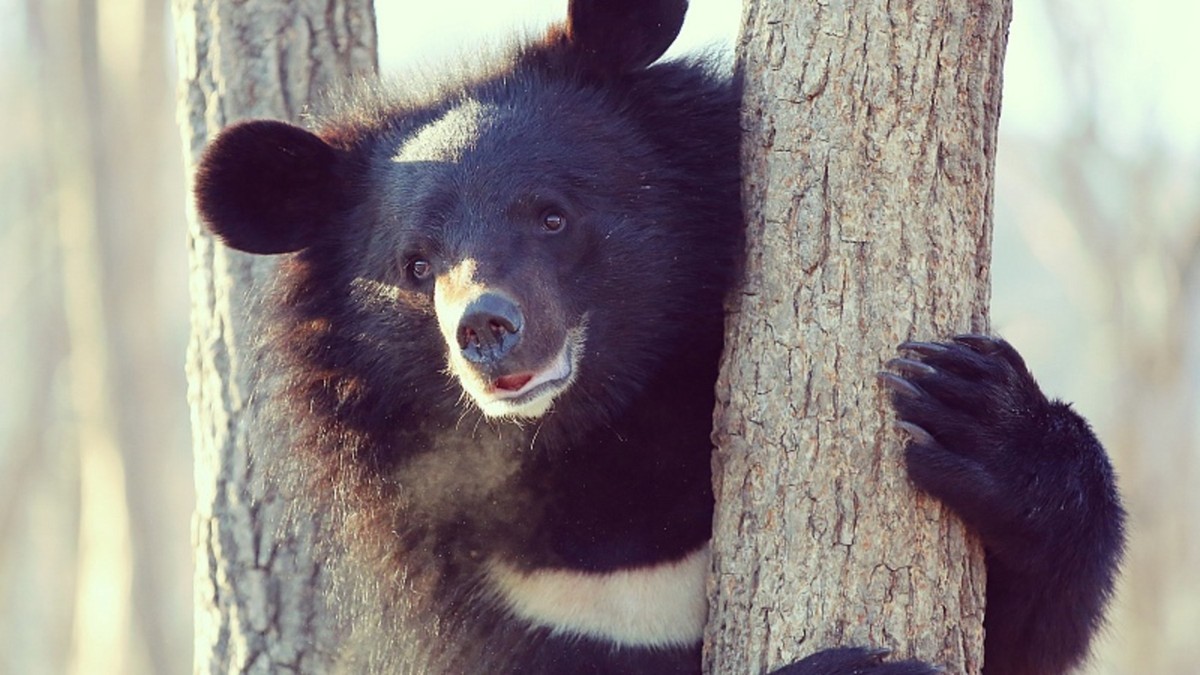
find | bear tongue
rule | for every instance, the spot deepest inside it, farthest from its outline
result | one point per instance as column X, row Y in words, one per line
column 513, row 382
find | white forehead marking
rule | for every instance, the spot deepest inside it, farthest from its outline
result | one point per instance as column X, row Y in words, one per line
column 445, row 139
column 657, row 606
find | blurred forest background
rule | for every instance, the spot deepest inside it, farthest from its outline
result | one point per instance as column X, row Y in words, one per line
column 1097, row 278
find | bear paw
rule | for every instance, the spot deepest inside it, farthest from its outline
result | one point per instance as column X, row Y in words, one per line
column 855, row 660
column 981, row 434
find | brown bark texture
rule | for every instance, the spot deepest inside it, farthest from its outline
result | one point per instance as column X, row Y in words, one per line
column 257, row 582
column 869, row 147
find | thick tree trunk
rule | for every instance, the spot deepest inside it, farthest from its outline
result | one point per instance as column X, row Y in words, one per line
column 257, row 606
column 868, row 158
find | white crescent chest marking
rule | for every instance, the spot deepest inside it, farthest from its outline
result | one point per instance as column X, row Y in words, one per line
column 659, row 606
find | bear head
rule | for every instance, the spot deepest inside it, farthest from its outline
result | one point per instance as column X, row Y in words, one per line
column 564, row 223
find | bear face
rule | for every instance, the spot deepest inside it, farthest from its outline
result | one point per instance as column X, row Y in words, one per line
column 516, row 224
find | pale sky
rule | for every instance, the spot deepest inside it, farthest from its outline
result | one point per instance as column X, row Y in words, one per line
column 1148, row 50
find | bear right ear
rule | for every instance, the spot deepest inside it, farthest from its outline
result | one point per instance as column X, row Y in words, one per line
column 268, row 187
column 624, row 35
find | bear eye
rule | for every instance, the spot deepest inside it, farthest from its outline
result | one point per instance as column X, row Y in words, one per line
column 419, row 269
column 553, row 221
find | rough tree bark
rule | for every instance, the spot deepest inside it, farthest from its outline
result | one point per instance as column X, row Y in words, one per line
column 868, row 159
column 257, row 609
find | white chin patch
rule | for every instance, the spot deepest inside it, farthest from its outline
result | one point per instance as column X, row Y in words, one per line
column 534, row 398
column 657, row 606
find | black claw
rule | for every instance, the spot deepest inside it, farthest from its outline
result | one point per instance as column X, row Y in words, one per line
column 911, row 366
column 984, row 344
column 900, row 385
column 877, row 653
column 918, row 434
column 925, row 348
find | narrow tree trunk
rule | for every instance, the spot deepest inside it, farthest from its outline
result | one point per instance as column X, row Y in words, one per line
column 257, row 606
column 868, row 158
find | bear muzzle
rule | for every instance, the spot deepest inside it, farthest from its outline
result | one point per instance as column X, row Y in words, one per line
column 509, row 365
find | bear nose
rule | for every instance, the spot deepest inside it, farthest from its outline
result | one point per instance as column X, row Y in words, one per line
column 489, row 329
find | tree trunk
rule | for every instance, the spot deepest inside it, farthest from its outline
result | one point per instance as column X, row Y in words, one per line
column 867, row 163
column 257, row 583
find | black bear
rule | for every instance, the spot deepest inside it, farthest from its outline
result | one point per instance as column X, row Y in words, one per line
column 500, row 321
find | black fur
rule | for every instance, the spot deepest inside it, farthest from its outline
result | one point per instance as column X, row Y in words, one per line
column 855, row 661
column 624, row 35
column 269, row 187
column 593, row 195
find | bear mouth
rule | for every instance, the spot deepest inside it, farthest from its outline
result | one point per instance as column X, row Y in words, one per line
column 528, row 394
column 522, row 387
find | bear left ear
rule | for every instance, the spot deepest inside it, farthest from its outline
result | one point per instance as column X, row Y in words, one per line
column 624, row 35
column 268, row 187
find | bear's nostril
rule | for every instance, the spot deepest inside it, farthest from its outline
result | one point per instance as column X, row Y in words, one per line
column 499, row 328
